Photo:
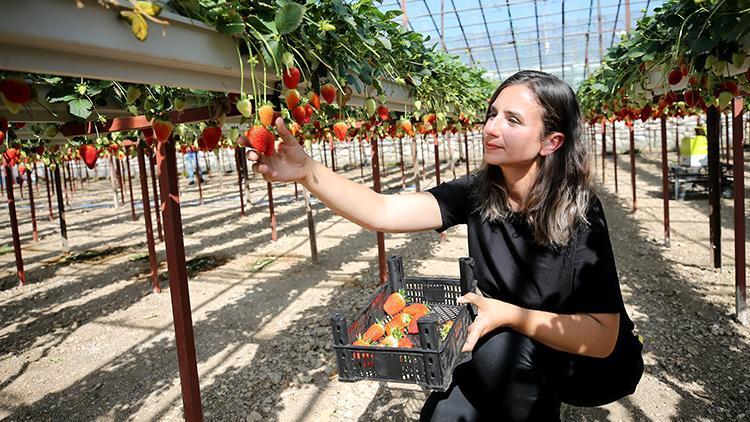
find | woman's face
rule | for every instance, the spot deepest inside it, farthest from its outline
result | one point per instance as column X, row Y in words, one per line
column 514, row 128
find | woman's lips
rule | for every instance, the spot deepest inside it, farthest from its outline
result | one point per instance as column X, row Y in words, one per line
column 492, row 146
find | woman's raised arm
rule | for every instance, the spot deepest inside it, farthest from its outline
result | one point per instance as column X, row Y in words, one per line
column 408, row 212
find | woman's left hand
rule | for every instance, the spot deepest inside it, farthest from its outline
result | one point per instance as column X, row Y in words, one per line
column 491, row 315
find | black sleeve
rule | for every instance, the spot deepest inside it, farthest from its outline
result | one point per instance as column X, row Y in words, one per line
column 454, row 199
column 596, row 286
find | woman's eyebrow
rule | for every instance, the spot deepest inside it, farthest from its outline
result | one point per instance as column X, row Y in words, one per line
column 513, row 113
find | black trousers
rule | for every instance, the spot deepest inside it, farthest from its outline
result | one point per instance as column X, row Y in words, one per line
column 511, row 377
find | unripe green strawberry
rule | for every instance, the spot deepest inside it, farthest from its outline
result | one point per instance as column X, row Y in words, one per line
column 370, row 107
column 179, row 104
column 245, row 107
column 134, row 93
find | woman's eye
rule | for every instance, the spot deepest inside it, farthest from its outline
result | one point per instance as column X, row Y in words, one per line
column 513, row 120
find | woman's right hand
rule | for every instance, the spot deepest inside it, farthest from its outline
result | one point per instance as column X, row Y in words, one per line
column 289, row 163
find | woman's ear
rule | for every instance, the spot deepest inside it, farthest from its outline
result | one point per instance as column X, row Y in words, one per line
column 551, row 143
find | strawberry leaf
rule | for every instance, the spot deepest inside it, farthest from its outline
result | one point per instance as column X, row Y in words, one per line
column 289, row 17
column 80, row 107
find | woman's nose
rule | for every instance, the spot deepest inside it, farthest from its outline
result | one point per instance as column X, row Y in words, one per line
column 492, row 127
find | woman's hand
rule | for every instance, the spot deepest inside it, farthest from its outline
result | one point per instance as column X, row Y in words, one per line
column 491, row 315
column 289, row 163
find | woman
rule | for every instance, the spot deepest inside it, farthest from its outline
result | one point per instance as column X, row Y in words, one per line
column 551, row 324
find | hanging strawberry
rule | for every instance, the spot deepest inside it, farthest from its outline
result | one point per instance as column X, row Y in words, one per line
column 292, row 99
column 265, row 114
column 211, row 136
column 291, row 77
column 328, row 91
column 314, row 99
column 261, row 139
column 300, row 115
column 89, row 154
column 15, row 90
column 162, row 129
column 383, row 113
column 340, row 130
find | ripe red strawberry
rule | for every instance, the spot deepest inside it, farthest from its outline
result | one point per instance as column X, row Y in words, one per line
column 408, row 128
column 405, row 343
column 340, row 129
column 375, row 332
column 308, row 112
column 15, row 90
column 398, row 323
column 2, row 136
column 417, row 309
column 11, row 156
column 395, row 303
column 314, row 99
column 291, row 77
column 300, row 115
column 292, row 99
column 90, row 154
column 646, row 113
column 211, row 137
column 413, row 327
column 265, row 114
column 360, row 342
column 261, row 139
column 675, row 76
column 328, row 91
column 383, row 112
column 162, row 129
column 21, row 169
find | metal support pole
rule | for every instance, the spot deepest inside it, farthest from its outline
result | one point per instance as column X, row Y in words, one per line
column 274, row 237
column 437, row 161
column 178, row 282
column 401, row 162
column 311, row 227
column 61, row 210
column 130, row 185
column 713, row 119
column 14, row 225
column 665, row 180
column 632, row 165
column 151, row 161
column 119, row 180
column 614, row 152
column 466, row 151
column 415, row 163
column 47, row 177
column 237, row 155
column 198, row 176
column 147, row 218
column 739, row 212
column 604, row 150
column 383, row 273
column 33, row 208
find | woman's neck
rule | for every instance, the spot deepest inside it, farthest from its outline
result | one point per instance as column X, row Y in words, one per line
column 518, row 181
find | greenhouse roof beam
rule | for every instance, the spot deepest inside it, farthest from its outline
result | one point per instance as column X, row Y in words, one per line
column 487, row 29
column 538, row 36
column 432, row 18
column 588, row 36
column 513, row 35
column 460, row 25
column 614, row 27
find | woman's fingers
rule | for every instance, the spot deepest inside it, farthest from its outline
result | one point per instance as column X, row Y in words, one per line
column 472, row 298
column 472, row 337
column 253, row 155
column 287, row 136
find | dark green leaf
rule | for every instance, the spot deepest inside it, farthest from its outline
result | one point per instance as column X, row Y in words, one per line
column 289, row 17
column 80, row 107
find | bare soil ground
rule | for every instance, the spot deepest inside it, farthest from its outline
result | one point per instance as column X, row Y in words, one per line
column 86, row 339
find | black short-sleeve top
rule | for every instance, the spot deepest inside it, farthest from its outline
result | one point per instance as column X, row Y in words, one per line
column 578, row 278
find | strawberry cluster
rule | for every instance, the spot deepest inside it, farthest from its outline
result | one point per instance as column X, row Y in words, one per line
column 403, row 321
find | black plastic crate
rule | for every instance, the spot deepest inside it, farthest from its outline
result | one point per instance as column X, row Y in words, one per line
column 432, row 360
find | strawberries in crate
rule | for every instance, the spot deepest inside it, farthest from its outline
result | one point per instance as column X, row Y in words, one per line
column 398, row 323
column 375, row 332
column 445, row 329
column 395, row 303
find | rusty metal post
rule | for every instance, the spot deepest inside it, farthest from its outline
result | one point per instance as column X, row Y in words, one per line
column 178, row 282
column 415, row 163
column 198, row 177
column 310, row 227
column 119, row 180
column 665, row 180
column 147, row 217
column 713, row 118
column 739, row 212
column 382, row 272
column 333, row 155
column 401, row 162
column 14, row 225
column 322, row 147
column 677, row 135
column 64, row 181
column 604, row 149
column 361, row 159
column 33, row 208
column 632, row 164
column 36, row 179
column 71, row 177
column 437, row 159
column 424, row 156
column 130, row 185
column 270, row 209
column 296, row 192
column 466, row 151
column 47, row 176
column 614, row 152
column 237, row 154
column 727, row 149
column 151, row 160
column 61, row 210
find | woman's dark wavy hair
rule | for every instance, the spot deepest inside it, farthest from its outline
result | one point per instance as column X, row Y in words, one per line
column 559, row 198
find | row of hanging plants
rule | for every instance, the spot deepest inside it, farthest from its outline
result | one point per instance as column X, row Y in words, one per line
column 313, row 56
column 683, row 59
